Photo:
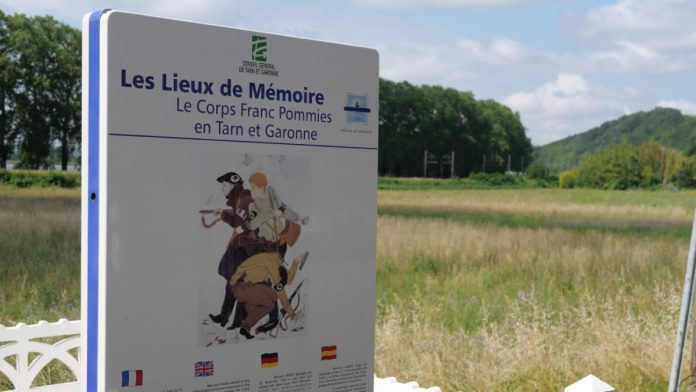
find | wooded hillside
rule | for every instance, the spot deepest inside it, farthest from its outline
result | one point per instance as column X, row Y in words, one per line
column 667, row 126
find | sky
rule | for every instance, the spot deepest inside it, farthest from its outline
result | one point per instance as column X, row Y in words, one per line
column 565, row 66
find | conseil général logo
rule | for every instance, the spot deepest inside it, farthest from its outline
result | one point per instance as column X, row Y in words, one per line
column 259, row 48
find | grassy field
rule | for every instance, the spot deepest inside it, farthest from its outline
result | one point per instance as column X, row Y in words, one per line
column 530, row 289
column 478, row 290
column 39, row 254
column 39, row 262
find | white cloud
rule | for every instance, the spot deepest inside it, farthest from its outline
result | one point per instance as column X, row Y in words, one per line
column 419, row 63
column 463, row 59
column 640, row 16
column 467, row 58
column 435, row 3
column 685, row 107
column 568, row 105
column 657, row 24
column 635, row 37
column 501, row 51
column 628, row 57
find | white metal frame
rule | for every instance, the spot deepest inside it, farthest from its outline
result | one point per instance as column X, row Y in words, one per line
column 19, row 341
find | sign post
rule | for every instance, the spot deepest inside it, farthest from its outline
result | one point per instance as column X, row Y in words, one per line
column 229, row 209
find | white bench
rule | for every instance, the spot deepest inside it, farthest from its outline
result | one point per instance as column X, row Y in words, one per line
column 21, row 343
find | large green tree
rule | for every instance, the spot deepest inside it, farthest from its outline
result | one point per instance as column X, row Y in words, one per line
column 8, row 83
column 414, row 119
column 45, row 94
column 65, row 89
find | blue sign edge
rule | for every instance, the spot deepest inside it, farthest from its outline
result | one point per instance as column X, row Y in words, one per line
column 93, row 203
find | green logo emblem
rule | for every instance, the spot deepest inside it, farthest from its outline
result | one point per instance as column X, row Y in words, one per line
column 259, row 45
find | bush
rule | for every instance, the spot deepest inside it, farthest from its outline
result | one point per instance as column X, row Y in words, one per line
column 615, row 167
column 550, row 181
column 569, row 178
column 5, row 176
column 494, row 179
column 58, row 179
column 26, row 179
column 21, row 180
column 686, row 178
column 536, row 171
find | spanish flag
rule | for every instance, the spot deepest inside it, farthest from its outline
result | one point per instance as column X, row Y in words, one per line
column 328, row 353
column 269, row 360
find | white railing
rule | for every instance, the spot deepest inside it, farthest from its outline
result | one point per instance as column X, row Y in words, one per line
column 34, row 346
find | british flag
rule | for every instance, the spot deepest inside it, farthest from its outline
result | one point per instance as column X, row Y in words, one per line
column 204, row 368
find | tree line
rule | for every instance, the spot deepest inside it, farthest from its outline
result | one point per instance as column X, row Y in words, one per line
column 40, row 108
column 40, row 87
column 626, row 165
column 484, row 135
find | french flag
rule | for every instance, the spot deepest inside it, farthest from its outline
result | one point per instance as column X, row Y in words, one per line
column 131, row 378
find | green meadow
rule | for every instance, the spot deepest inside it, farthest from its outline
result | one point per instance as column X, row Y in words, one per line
column 39, row 254
column 478, row 289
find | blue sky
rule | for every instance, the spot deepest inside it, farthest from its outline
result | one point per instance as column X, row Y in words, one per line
column 565, row 65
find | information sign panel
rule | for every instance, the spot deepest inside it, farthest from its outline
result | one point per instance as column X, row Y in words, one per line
column 229, row 209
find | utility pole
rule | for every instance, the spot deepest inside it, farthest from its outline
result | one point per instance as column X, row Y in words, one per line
column 425, row 164
column 662, row 165
column 509, row 157
column 684, row 311
column 447, row 159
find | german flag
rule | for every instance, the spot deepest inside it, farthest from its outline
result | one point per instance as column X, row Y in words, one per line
column 269, row 360
column 328, row 353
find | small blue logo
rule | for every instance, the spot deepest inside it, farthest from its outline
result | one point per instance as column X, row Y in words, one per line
column 356, row 109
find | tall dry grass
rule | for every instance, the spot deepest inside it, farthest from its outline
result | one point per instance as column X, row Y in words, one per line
column 571, row 204
column 39, row 254
column 487, row 308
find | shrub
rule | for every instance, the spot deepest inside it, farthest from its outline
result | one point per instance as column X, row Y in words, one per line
column 21, row 180
column 494, row 179
column 59, row 179
column 5, row 176
column 686, row 177
column 536, row 171
column 27, row 178
column 569, row 178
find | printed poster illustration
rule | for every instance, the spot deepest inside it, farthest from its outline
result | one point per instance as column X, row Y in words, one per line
column 254, row 261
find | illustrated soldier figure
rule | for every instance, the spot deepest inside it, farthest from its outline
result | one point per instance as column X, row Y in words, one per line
column 243, row 243
column 258, row 284
column 271, row 217
column 274, row 222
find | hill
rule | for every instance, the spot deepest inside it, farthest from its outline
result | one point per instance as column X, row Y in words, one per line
column 667, row 126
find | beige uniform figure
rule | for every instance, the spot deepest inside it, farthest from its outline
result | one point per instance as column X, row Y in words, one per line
column 258, row 283
column 274, row 220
